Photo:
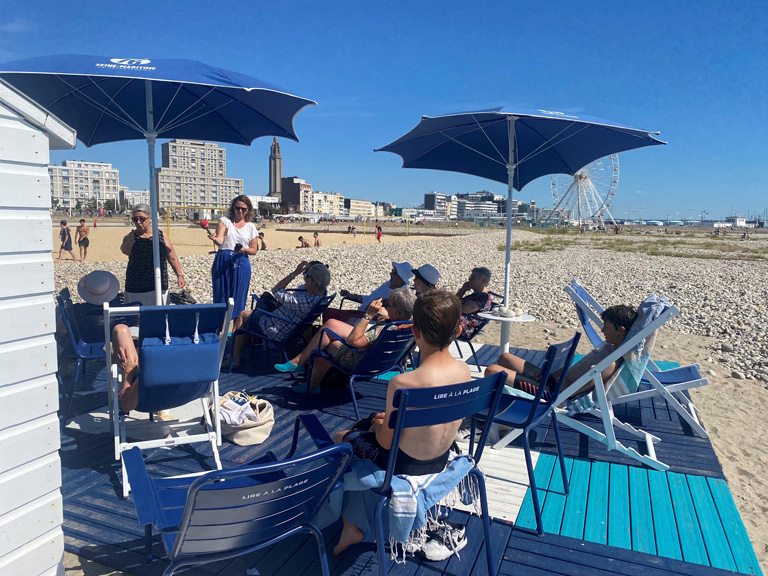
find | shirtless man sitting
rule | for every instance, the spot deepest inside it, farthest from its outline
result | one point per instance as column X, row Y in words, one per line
column 303, row 243
column 617, row 320
column 423, row 450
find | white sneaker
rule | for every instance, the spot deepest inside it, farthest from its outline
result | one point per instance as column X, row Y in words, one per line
column 445, row 541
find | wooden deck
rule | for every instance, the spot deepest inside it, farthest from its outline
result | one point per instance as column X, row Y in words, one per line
column 617, row 519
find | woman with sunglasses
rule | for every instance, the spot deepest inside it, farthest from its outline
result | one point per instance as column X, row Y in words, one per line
column 140, row 273
column 237, row 238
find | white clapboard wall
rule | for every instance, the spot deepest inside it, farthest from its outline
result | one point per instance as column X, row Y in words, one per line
column 31, row 540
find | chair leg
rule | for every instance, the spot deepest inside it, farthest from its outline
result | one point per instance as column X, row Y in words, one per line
column 563, row 471
column 320, row 549
column 148, row 543
column 71, row 393
column 532, row 481
column 379, row 529
column 459, row 349
column 474, row 355
column 354, row 398
column 486, row 520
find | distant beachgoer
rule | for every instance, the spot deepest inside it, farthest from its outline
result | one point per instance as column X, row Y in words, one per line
column 140, row 272
column 378, row 234
column 81, row 237
column 425, row 279
column 263, row 241
column 65, row 235
column 318, row 243
column 354, row 232
column 237, row 239
column 349, row 230
column 303, row 243
column 616, row 229
column 94, row 223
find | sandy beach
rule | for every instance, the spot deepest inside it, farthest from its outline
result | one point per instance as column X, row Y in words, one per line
column 719, row 286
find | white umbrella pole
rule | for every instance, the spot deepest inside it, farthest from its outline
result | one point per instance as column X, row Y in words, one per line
column 150, row 135
column 511, row 166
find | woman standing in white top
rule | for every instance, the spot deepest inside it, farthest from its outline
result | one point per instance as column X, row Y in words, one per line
column 237, row 238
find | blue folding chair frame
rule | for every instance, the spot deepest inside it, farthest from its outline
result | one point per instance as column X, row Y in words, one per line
column 481, row 324
column 526, row 415
column 227, row 513
column 387, row 353
column 251, row 328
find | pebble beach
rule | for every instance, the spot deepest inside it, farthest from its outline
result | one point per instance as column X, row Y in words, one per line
column 723, row 322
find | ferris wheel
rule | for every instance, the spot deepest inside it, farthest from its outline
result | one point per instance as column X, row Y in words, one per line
column 585, row 198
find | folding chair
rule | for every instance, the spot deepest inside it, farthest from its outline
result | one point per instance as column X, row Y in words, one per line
column 669, row 384
column 526, row 415
column 222, row 514
column 416, row 407
column 481, row 324
column 388, row 352
column 295, row 335
column 634, row 352
column 180, row 351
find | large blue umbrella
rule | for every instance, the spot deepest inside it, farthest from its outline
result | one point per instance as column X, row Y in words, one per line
column 514, row 147
column 115, row 99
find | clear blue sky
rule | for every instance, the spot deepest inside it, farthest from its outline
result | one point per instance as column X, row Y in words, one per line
column 696, row 71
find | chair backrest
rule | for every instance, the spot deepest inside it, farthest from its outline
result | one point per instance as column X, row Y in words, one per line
column 588, row 311
column 388, row 350
column 237, row 509
column 557, row 359
column 416, row 407
column 173, row 368
column 68, row 315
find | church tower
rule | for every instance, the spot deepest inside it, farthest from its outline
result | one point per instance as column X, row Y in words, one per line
column 275, row 170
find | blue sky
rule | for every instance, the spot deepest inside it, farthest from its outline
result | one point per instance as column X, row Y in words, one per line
column 697, row 72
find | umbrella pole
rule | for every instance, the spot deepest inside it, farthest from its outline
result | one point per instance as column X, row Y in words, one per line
column 153, row 199
column 511, row 166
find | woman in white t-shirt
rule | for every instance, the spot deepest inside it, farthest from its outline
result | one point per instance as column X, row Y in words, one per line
column 237, row 238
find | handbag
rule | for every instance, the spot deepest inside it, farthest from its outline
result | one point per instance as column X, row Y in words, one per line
column 250, row 431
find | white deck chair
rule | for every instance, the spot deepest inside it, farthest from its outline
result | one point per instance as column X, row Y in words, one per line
column 634, row 352
column 669, row 384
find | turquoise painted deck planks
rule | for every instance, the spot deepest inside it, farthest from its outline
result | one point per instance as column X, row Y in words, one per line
column 711, row 529
column 596, row 527
column 576, row 503
column 526, row 518
column 552, row 511
column 667, row 541
column 691, row 541
column 743, row 553
column 643, row 539
column 619, row 533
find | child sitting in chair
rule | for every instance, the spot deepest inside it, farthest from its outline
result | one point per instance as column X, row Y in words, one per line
column 522, row 375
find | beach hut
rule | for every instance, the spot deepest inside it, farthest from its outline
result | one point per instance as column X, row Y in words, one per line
column 30, row 470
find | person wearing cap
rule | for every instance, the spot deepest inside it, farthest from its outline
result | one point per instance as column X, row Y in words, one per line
column 81, row 237
column 425, row 279
column 65, row 235
column 400, row 275
column 140, row 272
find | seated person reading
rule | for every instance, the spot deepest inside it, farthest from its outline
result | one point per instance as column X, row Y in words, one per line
column 293, row 305
column 423, row 450
column 478, row 301
column 356, row 339
column 617, row 320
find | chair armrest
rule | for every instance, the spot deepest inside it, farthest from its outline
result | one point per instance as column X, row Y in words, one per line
column 316, row 432
column 147, row 509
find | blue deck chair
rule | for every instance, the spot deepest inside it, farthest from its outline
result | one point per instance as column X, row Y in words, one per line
column 180, row 351
column 415, row 407
column 527, row 414
column 388, row 352
column 296, row 334
column 82, row 350
column 669, row 384
column 481, row 324
column 222, row 514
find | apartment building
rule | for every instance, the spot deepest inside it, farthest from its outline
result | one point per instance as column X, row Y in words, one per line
column 325, row 203
column 295, row 194
column 77, row 181
column 194, row 173
column 358, row 208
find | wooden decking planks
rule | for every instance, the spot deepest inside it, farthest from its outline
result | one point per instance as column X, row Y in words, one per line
column 672, row 515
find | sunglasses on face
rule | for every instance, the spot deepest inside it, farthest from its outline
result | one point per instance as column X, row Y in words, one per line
column 139, row 219
column 241, row 208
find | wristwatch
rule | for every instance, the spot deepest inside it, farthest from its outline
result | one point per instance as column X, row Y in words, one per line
column 367, row 317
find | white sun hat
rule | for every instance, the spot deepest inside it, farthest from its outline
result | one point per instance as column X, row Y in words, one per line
column 98, row 287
